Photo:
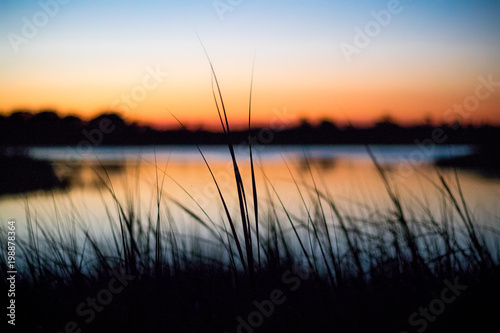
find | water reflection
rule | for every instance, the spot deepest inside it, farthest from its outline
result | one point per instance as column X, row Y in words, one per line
column 88, row 174
column 348, row 177
column 323, row 163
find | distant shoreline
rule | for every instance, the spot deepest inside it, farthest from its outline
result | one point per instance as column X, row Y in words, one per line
column 23, row 129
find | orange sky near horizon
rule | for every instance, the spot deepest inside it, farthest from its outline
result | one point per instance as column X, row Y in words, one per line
column 361, row 101
column 93, row 58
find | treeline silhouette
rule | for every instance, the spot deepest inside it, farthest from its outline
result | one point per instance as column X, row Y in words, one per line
column 24, row 128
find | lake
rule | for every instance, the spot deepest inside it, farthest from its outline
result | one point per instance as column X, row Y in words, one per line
column 345, row 174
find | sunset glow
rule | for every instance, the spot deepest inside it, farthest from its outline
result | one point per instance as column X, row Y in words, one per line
column 144, row 59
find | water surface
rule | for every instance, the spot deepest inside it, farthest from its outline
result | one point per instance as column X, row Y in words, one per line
column 345, row 174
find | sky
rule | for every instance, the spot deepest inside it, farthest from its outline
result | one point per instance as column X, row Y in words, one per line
column 346, row 61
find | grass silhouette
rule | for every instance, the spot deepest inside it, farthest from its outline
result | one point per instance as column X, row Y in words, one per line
column 362, row 275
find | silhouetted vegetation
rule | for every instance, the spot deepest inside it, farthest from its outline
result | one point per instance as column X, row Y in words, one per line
column 48, row 128
column 20, row 173
column 485, row 160
column 337, row 272
column 334, row 271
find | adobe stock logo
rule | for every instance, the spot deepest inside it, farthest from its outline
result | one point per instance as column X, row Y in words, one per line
column 221, row 7
column 457, row 114
column 471, row 103
column 266, row 308
column 104, row 297
column 372, row 29
column 31, row 27
column 151, row 81
column 436, row 307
